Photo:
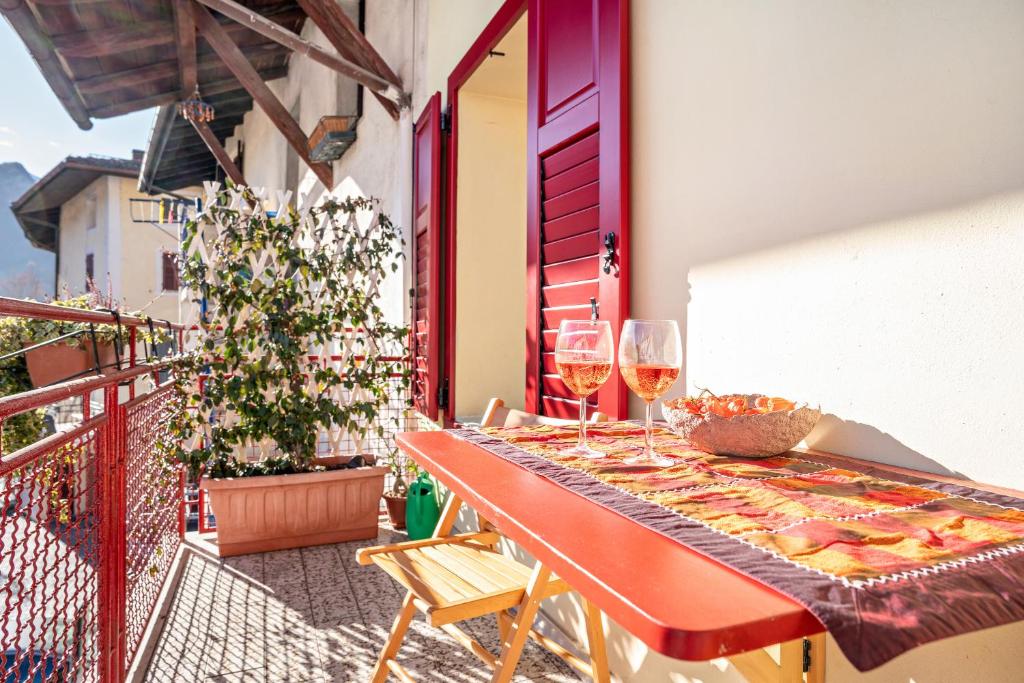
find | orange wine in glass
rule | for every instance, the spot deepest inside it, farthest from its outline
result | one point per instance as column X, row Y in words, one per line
column 650, row 357
column 584, row 352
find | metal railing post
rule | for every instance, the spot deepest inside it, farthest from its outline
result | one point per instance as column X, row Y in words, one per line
column 107, row 590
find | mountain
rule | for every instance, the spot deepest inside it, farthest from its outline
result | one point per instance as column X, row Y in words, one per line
column 24, row 270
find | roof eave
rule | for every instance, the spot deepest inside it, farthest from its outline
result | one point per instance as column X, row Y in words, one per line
column 24, row 23
column 158, row 135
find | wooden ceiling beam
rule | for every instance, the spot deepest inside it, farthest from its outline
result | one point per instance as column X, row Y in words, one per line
column 292, row 41
column 142, row 34
column 168, row 97
column 128, row 78
column 235, row 60
column 219, row 153
column 185, row 29
column 195, row 153
column 134, row 36
column 329, row 13
column 141, row 75
column 183, row 143
column 326, row 16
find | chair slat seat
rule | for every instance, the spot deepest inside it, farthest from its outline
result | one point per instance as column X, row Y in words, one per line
column 460, row 580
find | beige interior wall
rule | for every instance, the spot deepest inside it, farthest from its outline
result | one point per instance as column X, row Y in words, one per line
column 490, row 253
column 490, row 270
column 829, row 197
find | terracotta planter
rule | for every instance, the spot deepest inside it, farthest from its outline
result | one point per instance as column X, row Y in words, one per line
column 59, row 362
column 260, row 514
column 396, row 509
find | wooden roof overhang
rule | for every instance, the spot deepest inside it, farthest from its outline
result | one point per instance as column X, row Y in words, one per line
column 105, row 58
column 38, row 209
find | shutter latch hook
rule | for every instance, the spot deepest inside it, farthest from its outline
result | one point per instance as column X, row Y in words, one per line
column 609, row 255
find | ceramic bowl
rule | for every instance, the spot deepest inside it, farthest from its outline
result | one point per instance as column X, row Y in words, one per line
column 748, row 436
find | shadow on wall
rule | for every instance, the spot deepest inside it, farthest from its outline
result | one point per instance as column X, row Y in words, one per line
column 846, row 437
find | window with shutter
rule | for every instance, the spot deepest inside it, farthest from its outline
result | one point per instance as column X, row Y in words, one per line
column 427, row 331
column 169, row 272
column 577, row 214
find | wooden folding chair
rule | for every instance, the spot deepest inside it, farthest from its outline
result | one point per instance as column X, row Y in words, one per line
column 497, row 415
column 452, row 578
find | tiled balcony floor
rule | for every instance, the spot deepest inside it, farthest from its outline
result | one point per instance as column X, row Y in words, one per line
column 310, row 615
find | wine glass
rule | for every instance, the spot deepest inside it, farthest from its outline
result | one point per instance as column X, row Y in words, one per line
column 584, row 351
column 650, row 357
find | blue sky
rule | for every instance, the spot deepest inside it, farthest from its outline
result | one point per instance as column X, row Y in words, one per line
column 35, row 129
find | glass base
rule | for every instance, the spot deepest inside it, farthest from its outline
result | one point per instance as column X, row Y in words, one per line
column 584, row 452
column 650, row 458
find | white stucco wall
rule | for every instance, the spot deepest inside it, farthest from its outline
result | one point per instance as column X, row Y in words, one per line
column 83, row 221
column 379, row 162
column 842, row 195
column 829, row 197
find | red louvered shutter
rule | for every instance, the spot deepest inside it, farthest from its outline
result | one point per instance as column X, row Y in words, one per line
column 578, row 191
column 427, row 258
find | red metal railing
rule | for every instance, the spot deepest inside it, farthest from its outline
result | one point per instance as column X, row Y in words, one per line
column 90, row 521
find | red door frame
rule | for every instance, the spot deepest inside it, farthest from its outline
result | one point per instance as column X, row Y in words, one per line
column 614, row 194
column 504, row 19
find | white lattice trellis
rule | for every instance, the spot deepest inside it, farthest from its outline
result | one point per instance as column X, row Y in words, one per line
column 316, row 233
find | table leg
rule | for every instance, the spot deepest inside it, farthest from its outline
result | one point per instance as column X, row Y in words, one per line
column 791, row 657
column 595, row 642
column 448, row 515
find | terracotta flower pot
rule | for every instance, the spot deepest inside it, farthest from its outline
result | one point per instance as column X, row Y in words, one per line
column 60, row 362
column 396, row 509
column 260, row 514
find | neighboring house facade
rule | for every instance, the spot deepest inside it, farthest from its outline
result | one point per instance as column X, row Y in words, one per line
column 89, row 212
column 828, row 197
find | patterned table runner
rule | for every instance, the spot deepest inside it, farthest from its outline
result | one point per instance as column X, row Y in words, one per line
column 886, row 561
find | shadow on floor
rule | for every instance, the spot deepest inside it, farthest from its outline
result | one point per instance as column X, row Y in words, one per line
column 309, row 615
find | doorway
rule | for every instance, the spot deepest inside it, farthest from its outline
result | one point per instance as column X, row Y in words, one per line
column 490, row 241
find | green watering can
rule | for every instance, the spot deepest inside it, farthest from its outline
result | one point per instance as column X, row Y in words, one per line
column 423, row 508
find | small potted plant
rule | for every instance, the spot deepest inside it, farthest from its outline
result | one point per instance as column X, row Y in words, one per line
column 396, row 498
column 294, row 358
column 73, row 355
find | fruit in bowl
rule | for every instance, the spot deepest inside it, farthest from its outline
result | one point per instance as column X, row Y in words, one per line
column 747, row 425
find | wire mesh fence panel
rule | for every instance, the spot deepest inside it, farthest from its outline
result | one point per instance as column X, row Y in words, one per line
column 51, row 559
column 152, row 510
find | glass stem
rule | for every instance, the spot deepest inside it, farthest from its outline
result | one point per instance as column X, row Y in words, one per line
column 583, row 423
column 648, row 428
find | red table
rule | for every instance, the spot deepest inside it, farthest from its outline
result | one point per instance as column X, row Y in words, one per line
column 680, row 603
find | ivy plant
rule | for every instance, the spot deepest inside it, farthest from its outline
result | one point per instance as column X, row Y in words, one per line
column 278, row 294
